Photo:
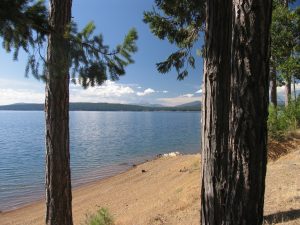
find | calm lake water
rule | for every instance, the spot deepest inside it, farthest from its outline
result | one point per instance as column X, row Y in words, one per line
column 102, row 144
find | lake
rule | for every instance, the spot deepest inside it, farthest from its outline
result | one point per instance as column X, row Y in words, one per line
column 102, row 144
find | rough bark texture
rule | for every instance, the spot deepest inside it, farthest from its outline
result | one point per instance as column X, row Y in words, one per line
column 58, row 177
column 215, row 113
column 273, row 87
column 249, row 111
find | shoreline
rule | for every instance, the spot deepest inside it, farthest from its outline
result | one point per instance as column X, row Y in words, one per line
column 168, row 192
column 127, row 166
column 122, row 193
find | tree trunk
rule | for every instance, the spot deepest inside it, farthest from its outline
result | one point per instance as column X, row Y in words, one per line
column 294, row 85
column 273, row 87
column 215, row 113
column 288, row 91
column 58, row 175
column 249, row 111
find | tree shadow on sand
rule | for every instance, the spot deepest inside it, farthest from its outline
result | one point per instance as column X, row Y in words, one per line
column 280, row 217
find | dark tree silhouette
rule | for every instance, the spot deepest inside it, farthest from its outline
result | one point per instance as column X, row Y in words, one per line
column 235, row 103
column 25, row 24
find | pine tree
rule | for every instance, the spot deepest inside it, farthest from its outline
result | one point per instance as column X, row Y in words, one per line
column 180, row 22
column 247, row 158
column 23, row 24
column 81, row 52
column 284, row 46
column 215, row 111
column 58, row 172
column 233, row 150
column 86, row 56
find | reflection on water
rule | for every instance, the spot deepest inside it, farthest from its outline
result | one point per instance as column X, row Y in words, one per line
column 102, row 144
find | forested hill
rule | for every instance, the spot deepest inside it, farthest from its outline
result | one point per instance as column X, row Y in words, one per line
column 80, row 106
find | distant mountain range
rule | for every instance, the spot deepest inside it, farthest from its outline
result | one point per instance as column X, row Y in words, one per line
column 83, row 106
column 191, row 104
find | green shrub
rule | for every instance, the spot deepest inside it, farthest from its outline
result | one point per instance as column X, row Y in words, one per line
column 282, row 119
column 274, row 129
column 102, row 217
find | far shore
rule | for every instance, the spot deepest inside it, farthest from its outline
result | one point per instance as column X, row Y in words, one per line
column 167, row 191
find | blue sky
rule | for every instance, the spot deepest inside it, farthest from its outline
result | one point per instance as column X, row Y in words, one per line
column 141, row 84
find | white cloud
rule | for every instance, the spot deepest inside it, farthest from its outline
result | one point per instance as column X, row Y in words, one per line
column 182, row 99
column 187, row 95
column 110, row 91
column 31, row 91
column 10, row 96
column 148, row 91
column 199, row 91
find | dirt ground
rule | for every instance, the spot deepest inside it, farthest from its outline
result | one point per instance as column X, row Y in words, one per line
column 282, row 198
column 169, row 193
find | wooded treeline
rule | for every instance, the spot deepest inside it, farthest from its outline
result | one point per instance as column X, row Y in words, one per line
column 83, row 106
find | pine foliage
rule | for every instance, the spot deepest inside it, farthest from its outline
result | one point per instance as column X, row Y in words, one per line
column 24, row 24
column 92, row 60
column 180, row 22
column 285, row 44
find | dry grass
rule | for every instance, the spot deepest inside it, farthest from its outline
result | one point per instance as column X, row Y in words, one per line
column 282, row 198
column 277, row 149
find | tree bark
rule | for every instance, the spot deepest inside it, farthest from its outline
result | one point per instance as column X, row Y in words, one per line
column 294, row 86
column 58, row 175
column 273, row 86
column 249, row 111
column 215, row 113
column 288, row 91
column 288, row 85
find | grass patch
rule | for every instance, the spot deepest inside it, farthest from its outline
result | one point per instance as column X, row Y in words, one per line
column 195, row 166
column 101, row 217
column 178, row 190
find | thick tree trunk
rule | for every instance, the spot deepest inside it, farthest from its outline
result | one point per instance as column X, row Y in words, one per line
column 215, row 113
column 288, row 91
column 58, row 177
column 273, row 86
column 249, row 111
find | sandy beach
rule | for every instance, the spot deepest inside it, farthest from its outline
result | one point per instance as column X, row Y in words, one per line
column 168, row 192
